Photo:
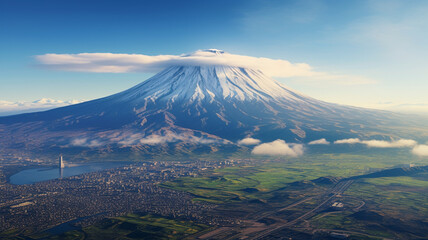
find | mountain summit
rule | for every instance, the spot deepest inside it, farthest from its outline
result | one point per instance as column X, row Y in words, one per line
column 194, row 105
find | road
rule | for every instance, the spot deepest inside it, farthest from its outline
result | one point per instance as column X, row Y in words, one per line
column 325, row 199
column 338, row 189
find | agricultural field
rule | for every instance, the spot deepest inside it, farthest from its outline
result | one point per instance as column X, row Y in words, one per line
column 132, row 226
column 374, row 207
column 393, row 207
column 405, row 197
column 260, row 180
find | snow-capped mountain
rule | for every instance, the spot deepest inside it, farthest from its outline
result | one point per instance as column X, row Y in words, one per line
column 195, row 105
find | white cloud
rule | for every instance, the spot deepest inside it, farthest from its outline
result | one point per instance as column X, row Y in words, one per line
column 158, row 139
column 8, row 107
column 84, row 142
column 420, row 150
column 122, row 63
column 249, row 141
column 393, row 144
column 155, row 139
column 321, row 141
column 401, row 143
column 118, row 63
column 129, row 139
column 348, row 141
column 278, row 148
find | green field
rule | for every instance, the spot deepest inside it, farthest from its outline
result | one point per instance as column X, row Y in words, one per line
column 398, row 181
column 260, row 180
column 131, row 226
column 134, row 226
column 395, row 207
column 404, row 197
column 391, row 207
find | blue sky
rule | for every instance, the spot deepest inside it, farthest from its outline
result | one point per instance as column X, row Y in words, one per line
column 383, row 42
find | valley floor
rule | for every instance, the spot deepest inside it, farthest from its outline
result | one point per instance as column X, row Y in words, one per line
column 318, row 196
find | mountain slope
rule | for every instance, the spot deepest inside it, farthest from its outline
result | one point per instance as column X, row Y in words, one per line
column 195, row 105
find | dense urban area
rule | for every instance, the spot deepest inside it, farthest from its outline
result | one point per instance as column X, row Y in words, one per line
column 242, row 198
column 93, row 196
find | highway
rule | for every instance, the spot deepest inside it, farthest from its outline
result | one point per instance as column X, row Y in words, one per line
column 325, row 200
column 338, row 189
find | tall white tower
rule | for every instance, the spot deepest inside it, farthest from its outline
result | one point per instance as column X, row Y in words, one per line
column 61, row 161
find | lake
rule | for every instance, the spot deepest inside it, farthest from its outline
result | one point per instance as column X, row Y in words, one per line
column 31, row 176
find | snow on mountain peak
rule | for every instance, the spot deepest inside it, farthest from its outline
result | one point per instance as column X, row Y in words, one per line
column 212, row 83
column 210, row 53
column 213, row 50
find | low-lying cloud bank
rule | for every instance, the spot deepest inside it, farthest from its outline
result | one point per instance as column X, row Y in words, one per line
column 85, row 142
column 248, row 141
column 155, row 139
column 123, row 63
column 278, row 148
column 402, row 143
column 420, row 150
column 417, row 149
column 140, row 139
column 321, row 141
column 9, row 108
column 348, row 141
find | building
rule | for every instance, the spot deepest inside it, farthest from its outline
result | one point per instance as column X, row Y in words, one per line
column 61, row 162
column 337, row 205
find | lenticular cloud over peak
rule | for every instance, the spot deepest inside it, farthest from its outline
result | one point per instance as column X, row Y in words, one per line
column 121, row 63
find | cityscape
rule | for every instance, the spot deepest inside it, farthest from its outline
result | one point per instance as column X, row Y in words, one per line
column 94, row 196
column 212, row 120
